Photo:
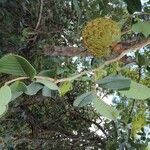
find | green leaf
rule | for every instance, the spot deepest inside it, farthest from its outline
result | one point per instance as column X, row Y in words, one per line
column 105, row 109
column 3, row 109
column 84, row 99
column 48, row 84
column 136, row 91
column 16, row 95
column 142, row 27
column 5, row 95
column 48, row 73
column 46, row 92
column 33, row 88
column 16, row 65
column 65, row 87
column 114, row 82
column 17, row 89
column 18, row 86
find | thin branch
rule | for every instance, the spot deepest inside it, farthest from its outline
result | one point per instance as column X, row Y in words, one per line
column 17, row 79
column 126, row 31
column 45, row 78
column 24, row 78
column 40, row 14
column 43, row 33
column 93, row 122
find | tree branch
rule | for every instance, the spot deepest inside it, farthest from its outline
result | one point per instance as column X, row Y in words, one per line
column 75, row 51
column 65, row 51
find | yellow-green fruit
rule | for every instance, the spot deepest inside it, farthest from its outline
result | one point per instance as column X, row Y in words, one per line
column 99, row 34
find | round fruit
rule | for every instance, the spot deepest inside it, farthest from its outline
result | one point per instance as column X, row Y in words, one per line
column 99, row 34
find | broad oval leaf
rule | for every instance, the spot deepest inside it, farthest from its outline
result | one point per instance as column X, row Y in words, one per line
column 17, row 89
column 3, row 109
column 48, row 73
column 65, row 87
column 46, row 92
column 136, row 91
column 142, row 27
column 48, row 84
column 114, row 82
column 16, row 95
column 18, row 86
column 105, row 109
column 16, row 65
column 84, row 99
column 5, row 95
column 33, row 88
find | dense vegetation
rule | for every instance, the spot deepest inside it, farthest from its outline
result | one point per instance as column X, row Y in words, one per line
column 54, row 93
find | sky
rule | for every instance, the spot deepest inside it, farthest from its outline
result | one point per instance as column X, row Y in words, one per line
column 143, row 1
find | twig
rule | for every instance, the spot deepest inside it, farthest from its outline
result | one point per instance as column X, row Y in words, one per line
column 24, row 78
column 125, row 32
column 40, row 14
column 45, row 78
column 93, row 122
column 17, row 79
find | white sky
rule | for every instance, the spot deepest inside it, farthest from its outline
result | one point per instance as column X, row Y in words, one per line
column 144, row 1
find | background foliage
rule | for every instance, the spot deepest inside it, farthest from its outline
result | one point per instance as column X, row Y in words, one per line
column 39, row 117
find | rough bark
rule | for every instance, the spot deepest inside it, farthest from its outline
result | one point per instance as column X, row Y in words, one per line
column 76, row 51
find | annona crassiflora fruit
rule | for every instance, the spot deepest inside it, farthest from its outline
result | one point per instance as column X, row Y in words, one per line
column 99, row 34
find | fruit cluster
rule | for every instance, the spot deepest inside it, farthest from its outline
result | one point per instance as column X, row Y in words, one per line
column 99, row 34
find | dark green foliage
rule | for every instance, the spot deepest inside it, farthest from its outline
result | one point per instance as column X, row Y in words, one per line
column 133, row 6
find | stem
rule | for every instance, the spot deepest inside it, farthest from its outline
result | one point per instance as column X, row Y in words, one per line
column 24, row 78
column 17, row 79
column 44, row 78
